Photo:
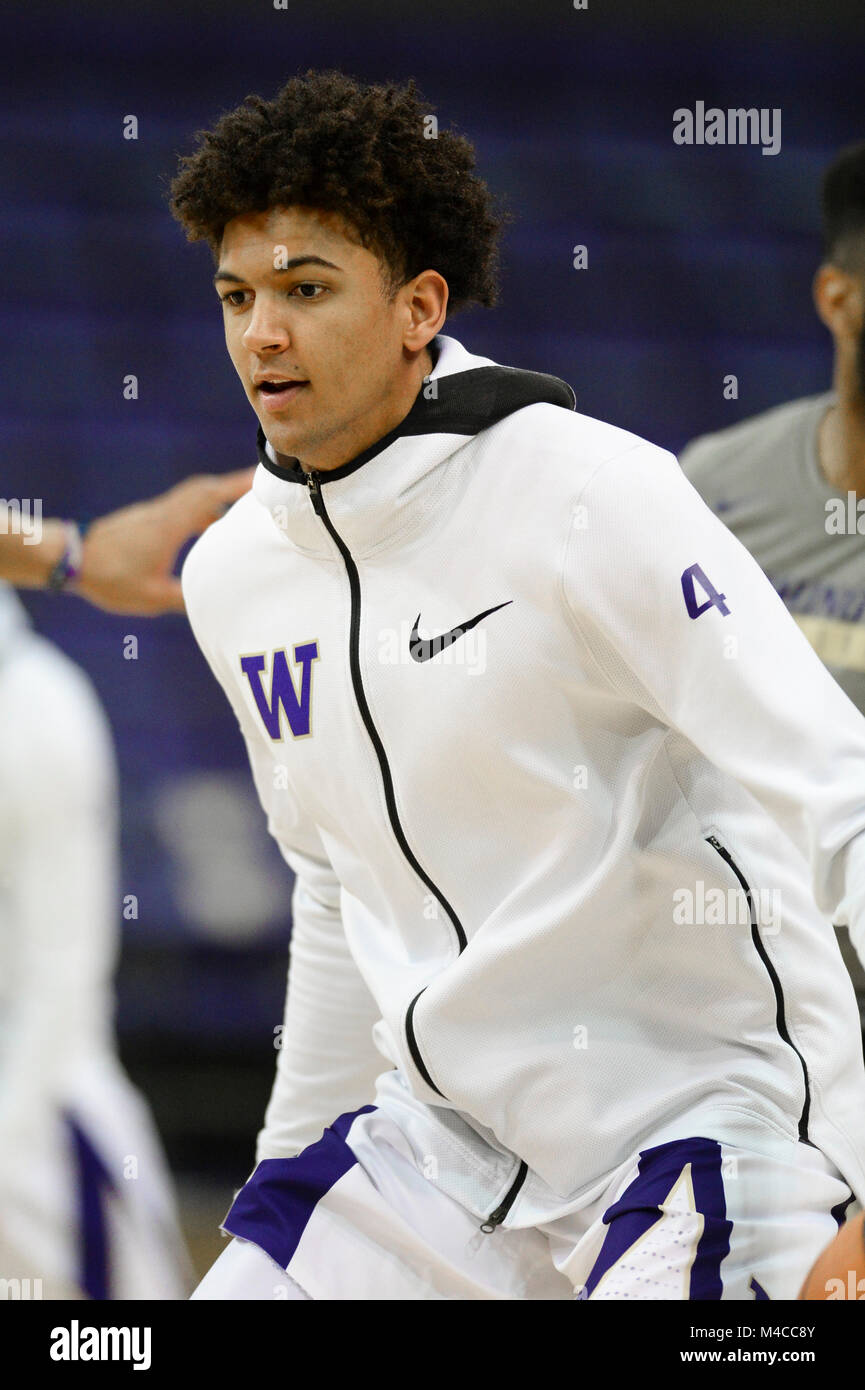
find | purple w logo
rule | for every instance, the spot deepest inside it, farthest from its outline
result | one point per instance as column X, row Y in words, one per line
column 283, row 695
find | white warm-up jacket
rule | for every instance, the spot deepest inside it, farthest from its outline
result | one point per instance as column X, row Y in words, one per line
column 574, row 866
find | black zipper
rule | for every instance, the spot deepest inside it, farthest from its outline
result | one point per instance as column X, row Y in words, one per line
column 415, row 1050
column 496, row 1217
column 780, row 1016
column 314, row 484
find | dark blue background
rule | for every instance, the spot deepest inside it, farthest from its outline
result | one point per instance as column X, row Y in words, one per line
column 700, row 262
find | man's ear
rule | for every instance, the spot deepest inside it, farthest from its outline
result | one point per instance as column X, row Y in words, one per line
column 838, row 299
column 426, row 300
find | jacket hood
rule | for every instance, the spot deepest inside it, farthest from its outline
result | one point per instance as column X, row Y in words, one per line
column 471, row 394
column 463, row 395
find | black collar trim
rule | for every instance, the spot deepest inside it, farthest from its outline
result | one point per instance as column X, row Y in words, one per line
column 465, row 403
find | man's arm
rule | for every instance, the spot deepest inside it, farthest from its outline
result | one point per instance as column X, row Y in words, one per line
column 326, row 1062
column 682, row 621
column 27, row 558
column 125, row 561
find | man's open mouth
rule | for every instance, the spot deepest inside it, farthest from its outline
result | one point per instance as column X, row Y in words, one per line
column 274, row 395
column 277, row 388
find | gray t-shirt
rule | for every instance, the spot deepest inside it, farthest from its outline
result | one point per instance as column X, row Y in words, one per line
column 763, row 479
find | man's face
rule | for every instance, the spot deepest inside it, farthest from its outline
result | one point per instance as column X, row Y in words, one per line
column 304, row 303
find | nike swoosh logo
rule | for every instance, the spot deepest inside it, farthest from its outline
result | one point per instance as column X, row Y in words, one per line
column 422, row 648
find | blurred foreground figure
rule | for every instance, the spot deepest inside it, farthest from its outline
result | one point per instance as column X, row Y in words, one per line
column 86, row 1207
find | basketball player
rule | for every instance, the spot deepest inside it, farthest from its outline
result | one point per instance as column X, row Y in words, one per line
column 570, row 801
column 776, row 480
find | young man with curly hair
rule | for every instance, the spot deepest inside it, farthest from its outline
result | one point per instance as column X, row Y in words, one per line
column 565, row 1014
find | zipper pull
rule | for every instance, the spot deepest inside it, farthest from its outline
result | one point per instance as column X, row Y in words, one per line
column 312, row 482
column 496, row 1217
column 493, row 1220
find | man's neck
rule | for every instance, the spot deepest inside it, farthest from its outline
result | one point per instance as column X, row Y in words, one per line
column 402, row 404
column 841, row 444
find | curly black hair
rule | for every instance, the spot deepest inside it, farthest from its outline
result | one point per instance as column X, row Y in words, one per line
column 333, row 144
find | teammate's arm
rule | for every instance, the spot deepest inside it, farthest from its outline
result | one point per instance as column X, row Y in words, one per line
column 126, row 558
column 27, row 560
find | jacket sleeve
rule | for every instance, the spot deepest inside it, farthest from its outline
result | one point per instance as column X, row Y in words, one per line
column 680, row 619
column 326, row 1061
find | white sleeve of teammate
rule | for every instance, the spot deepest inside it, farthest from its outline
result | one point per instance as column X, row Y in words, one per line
column 60, row 897
column 326, row 1060
column 744, row 687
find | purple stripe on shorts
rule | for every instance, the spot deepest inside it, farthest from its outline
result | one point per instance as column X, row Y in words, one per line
column 274, row 1207
column 94, row 1181
column 638, row 1209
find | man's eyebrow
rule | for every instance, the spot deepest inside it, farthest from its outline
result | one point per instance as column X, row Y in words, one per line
column 289, row 265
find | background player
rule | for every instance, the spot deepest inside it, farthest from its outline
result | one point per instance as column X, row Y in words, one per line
column 86, row 1202
column 773, row 479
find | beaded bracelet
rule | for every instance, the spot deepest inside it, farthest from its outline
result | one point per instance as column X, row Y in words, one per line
column 68, row 567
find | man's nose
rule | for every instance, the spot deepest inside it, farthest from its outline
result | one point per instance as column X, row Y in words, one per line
column 266, row 331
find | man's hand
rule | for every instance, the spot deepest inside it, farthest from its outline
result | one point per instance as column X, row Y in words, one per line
column 129, row 554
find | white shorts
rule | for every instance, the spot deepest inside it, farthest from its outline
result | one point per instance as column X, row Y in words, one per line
column 87, row 1207
column 354, row 1217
